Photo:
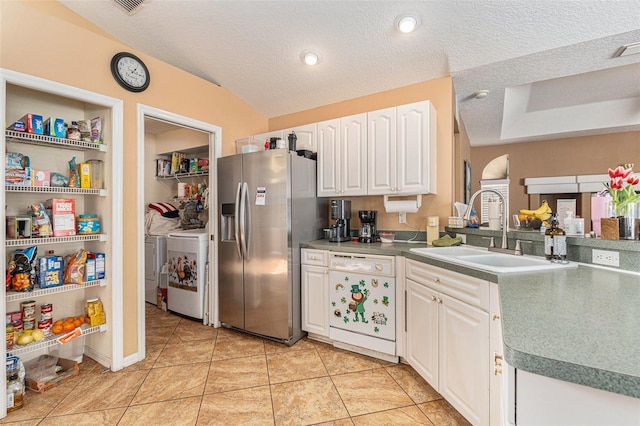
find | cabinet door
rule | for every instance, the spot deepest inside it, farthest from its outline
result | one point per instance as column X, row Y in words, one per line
column 496, row 357
column 416, row 142
column 463, row 355
column 381, row 146
column 353, row 139
column 329, row 158
column 315, row 300
column 306, row 136
column 422, row 331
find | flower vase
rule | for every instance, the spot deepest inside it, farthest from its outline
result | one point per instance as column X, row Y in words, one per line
column 627, row 222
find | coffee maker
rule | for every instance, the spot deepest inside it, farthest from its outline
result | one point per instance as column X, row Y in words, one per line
column 341, row 213
column 368, row 232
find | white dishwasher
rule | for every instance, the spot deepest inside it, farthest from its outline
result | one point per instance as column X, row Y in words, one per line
column 363, row 306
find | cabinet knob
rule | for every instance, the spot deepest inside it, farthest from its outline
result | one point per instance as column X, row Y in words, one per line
column 434, row 298
column 378, row 267
column 436, row 279
column 439, row 300
column 496, row 317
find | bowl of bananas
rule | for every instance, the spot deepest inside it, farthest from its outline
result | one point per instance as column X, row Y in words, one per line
column 534, row 219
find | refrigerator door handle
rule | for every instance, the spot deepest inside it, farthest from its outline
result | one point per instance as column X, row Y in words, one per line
column 247, row 221
column 244, row 246
column 236, row 220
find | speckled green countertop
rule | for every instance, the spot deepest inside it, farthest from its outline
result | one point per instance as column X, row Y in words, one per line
column 579, row 325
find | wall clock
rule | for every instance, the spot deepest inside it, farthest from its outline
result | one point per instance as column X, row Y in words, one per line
column 130, row 72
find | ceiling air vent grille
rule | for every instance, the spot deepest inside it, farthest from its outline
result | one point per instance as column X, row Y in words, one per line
column 130, row 6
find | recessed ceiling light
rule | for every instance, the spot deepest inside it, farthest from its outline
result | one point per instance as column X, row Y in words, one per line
column 481, row 94
column 310, row 57
column 407, row 22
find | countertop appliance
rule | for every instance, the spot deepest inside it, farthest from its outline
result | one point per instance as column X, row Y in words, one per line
column 368, row 232
column 363, row 304
column 155, row 256
column 268, row 206
column 187, row 256
column 341, row 213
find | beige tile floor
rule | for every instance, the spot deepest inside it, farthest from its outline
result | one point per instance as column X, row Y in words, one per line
column 197, row 375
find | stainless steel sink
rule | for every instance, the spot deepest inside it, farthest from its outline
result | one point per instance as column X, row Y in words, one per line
column 483, row 259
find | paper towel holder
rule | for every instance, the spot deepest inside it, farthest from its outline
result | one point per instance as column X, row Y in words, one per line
column 402, row 206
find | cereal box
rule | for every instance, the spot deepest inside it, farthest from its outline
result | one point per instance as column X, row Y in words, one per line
column 62, row 212
column 33, row 123
column 41, row 178
column 55, row 127
column 50, row 271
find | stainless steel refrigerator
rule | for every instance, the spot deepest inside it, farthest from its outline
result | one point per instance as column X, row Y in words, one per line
column 268, row 206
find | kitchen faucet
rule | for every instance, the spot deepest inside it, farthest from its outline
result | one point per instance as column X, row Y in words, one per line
column 505, row 220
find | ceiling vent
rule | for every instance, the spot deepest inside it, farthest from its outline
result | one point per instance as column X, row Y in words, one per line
column 131, row 6
column 628, row 49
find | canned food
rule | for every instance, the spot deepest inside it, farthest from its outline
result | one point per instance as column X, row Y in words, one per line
column 28, row 309
column 14, row 316
column 28, row 323
column 17, row 326
column 46, row 311
column 45, row 324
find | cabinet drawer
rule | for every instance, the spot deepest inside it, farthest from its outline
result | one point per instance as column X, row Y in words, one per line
column 467, row 289
column 315, row 257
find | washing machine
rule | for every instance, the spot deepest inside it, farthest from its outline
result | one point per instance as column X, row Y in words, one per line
column 155, row 256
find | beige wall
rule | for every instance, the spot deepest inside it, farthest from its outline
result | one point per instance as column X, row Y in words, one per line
column 440, row 93
column 45, row 39
column 589, row 155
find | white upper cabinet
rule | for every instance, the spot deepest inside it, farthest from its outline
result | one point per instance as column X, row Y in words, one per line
column 402, row 150
column 307, row 136
column 342, row 156
column 382, row 151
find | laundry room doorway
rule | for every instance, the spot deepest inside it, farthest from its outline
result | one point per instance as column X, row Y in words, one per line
column 176, row 175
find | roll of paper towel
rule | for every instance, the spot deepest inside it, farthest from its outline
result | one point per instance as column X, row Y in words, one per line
column 401, row 206
column 493, row 207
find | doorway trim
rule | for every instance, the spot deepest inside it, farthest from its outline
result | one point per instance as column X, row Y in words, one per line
column 215, row 151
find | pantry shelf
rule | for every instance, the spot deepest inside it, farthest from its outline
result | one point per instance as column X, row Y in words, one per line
column 179, row 176
column 51, row 339
column 34, row 139
column 15, row 296
column 56, row 190
column 21, row 242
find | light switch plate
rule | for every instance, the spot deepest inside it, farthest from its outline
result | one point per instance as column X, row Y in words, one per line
column 605, row 257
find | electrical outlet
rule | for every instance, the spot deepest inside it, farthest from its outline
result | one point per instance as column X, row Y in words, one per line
column 605, row 257
column 402, row 217
column 463, row 237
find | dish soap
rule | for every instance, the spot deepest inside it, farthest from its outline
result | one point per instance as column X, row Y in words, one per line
column 555, row 242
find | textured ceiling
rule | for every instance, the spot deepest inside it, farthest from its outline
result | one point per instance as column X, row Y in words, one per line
column 253, row 49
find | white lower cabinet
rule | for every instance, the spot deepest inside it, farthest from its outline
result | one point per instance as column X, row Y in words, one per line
column 315, row 292
column 551, row 402
column 448, row 331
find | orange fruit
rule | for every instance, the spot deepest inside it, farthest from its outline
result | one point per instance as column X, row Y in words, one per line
column 77, row 322
column 68, row 326
column 56, row 329
column 58, row 322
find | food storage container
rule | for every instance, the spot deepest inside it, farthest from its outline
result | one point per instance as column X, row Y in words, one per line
column 387, row 237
